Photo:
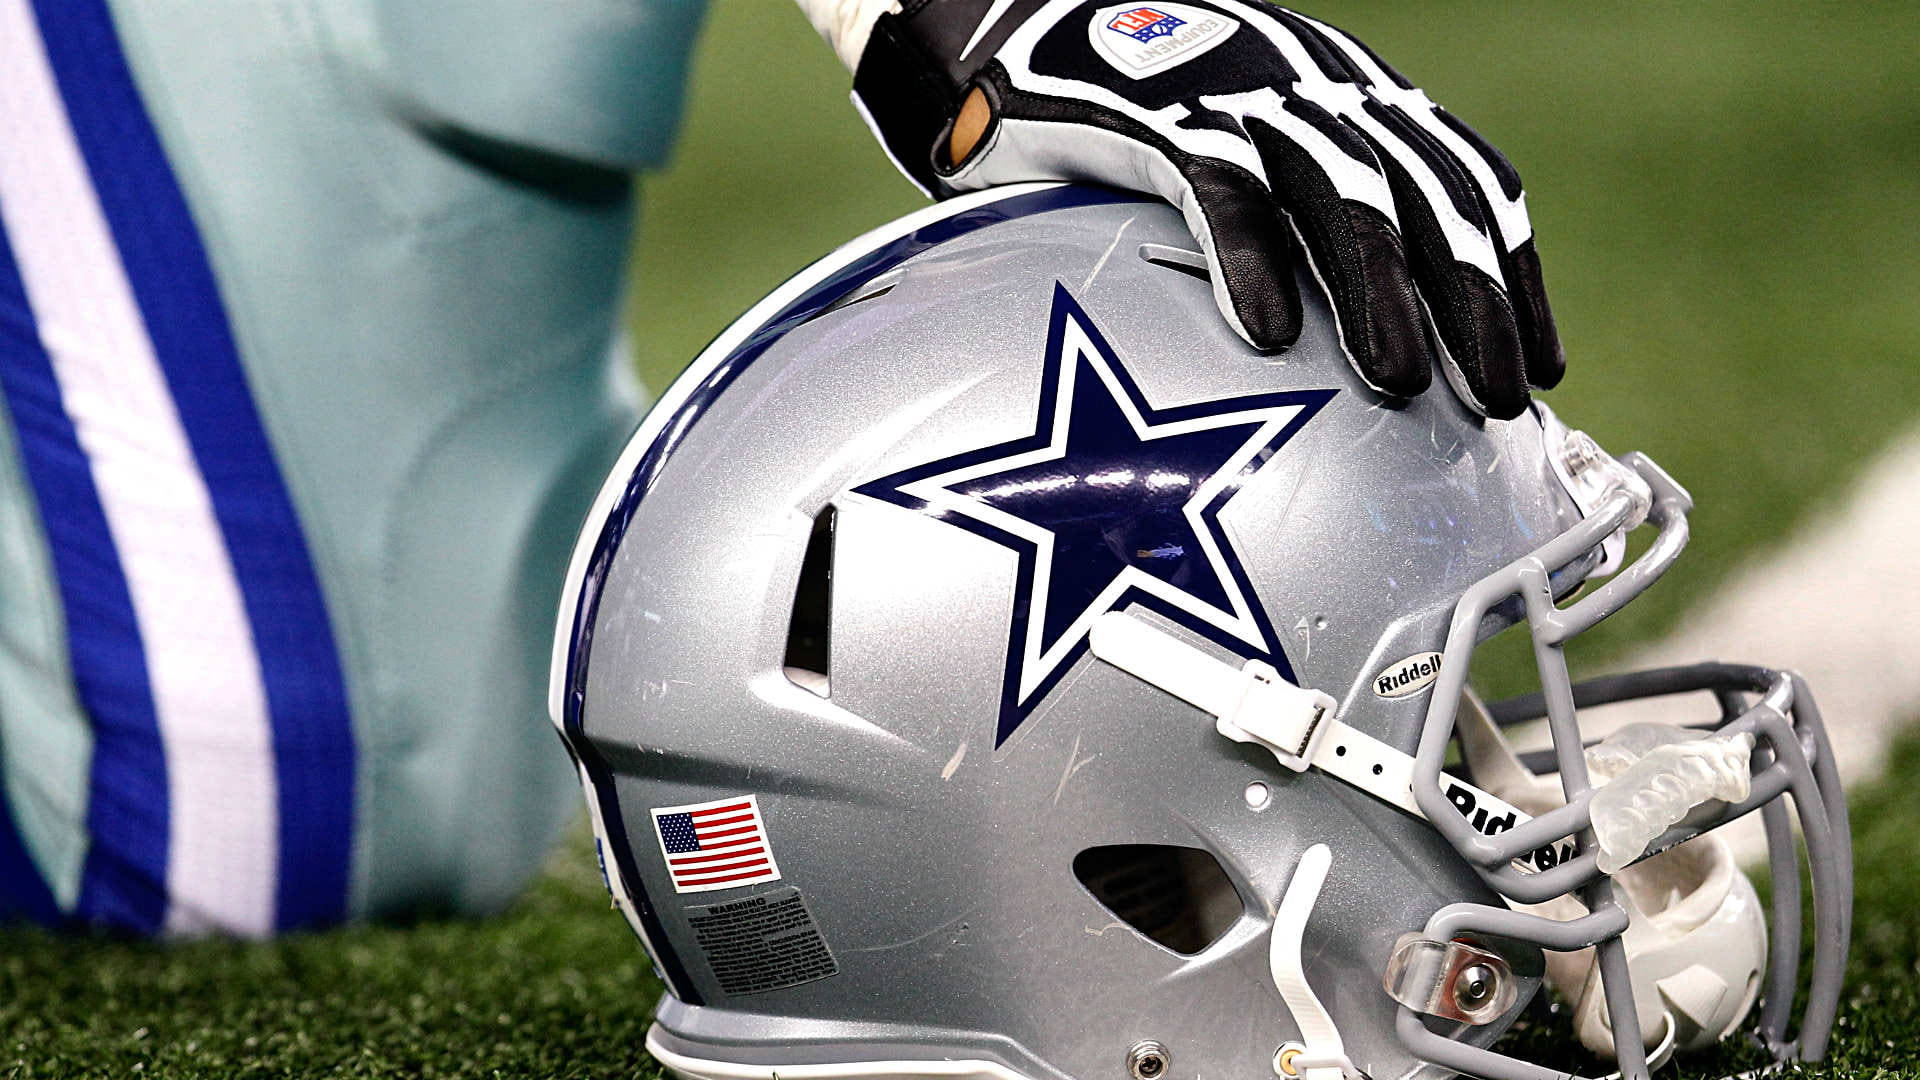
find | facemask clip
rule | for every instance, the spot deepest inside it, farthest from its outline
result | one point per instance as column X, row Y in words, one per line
column 1453, row 980
column 1591, row 476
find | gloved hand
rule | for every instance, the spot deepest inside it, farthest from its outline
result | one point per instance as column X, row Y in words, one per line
column 1261, row 125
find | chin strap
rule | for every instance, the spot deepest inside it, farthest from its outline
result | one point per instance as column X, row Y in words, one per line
column 1319, row 1055
column 1253, row 704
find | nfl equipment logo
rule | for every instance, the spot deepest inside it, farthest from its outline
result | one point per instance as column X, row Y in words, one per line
column 1141, row 42
column 1145, row 23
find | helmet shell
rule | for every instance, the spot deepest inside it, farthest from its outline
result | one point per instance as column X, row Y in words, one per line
column 935, row 856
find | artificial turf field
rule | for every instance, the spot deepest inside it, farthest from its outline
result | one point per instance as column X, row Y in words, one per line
column 1725, row 195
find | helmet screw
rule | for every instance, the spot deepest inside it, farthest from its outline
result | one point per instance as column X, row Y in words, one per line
column 1148, row 1060
column 1474, row 986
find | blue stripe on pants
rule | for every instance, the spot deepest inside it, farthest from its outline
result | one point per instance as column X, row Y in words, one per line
column 123, row 881
column 174, row 286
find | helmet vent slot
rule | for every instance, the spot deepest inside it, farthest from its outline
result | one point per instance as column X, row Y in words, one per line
column 871, row 290
column 1177, row 897
column 809, row 630
column 1191, row 263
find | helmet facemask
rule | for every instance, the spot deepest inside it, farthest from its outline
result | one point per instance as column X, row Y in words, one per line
column 1686, row 908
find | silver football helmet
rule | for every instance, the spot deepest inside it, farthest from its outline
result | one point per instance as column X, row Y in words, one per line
column 982, row 664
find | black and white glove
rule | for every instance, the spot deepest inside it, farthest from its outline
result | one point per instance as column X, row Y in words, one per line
column 1261, row 125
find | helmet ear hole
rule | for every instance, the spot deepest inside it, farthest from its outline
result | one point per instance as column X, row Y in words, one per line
column 809, row 628
column 1177, row 897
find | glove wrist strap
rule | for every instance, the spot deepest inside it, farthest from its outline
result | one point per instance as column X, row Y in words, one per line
column 905, row 98
column 916, row 69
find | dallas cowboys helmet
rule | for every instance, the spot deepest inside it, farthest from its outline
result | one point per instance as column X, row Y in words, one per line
column 983, row 664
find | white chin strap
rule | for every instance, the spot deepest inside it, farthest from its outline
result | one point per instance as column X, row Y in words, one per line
column 1253, row 704
column 1696, row 943
column 1319, row 1055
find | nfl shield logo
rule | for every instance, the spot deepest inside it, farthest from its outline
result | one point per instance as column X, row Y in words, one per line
column 1141, row 41
column 1144, row 23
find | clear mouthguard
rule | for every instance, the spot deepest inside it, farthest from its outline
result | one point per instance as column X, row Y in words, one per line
column 1652, row 776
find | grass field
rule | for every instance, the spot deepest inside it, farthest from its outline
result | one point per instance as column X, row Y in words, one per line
column 1725, row 194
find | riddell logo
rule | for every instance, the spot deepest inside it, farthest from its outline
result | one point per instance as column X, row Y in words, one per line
column 1409, row 676
column 1140, row 41
column 1493, row 820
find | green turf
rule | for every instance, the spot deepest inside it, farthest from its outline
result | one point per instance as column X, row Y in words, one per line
column 558, row 987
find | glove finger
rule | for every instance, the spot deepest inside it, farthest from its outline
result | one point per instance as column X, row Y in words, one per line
column 1356, row 250
column 1478, row 330
column 1478, row 178
column 1356, row 58
column 1539, row 338
column 1249, row 250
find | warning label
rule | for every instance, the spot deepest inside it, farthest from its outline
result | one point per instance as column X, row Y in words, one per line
column 761, row 943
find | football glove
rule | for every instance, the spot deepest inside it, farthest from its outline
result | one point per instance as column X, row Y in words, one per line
column 1267, row 129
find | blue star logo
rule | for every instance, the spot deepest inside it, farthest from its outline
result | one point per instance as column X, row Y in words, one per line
column 1110, row 503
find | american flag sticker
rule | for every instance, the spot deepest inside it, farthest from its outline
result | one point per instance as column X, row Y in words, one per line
column 715, row 845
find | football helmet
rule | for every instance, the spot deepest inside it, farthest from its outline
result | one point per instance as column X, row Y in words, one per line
column 983, row 664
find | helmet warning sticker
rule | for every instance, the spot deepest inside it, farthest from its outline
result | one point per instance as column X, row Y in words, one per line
column 764, row 942
column 715, row 845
